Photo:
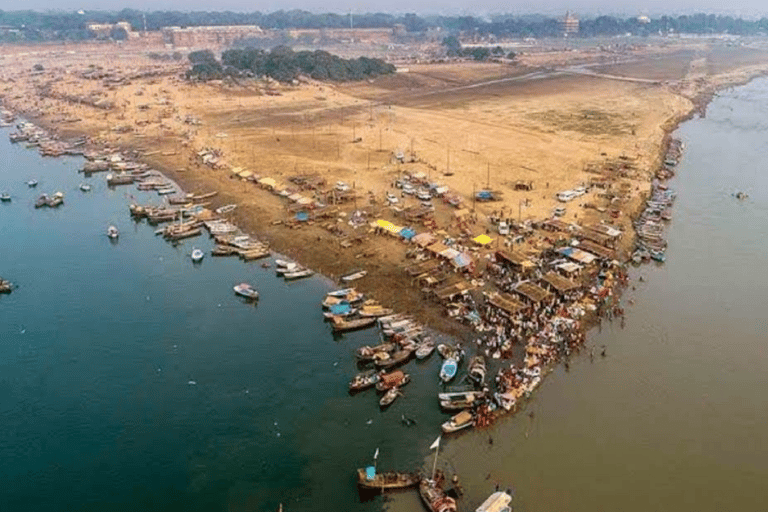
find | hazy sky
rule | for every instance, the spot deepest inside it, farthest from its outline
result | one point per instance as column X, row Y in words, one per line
column 745, row 8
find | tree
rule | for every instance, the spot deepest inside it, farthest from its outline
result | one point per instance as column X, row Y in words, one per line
column 452, row 45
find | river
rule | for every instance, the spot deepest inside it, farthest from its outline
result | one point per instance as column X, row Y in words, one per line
column 132, row 379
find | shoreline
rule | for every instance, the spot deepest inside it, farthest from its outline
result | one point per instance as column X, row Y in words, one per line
column 187, row 182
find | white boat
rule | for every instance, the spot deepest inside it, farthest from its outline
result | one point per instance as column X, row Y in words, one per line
column 197, row 255
column 225, row 209
column 112, row 232
column 461, row 421
column 85, row 187
column 246, row 290
column 354, row 276
column 165, row 191
column 5, row 197
column 424, row 349
column 298, row 274
column 448, row 369
column 32, row 183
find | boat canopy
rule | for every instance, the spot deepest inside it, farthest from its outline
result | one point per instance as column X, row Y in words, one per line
column 496, row 502
column 370, row 472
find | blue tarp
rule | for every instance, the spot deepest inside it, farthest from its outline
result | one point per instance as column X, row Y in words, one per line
column 407, row 233
column 462, row 260
column 370, row 472
column 342, row 308
column 302, row 216
column 484, row 194
column 566, row 251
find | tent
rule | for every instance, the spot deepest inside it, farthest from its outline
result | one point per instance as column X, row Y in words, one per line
column 407, row 233
column 462, row 260
column 385, row 224
column 423, row 239
column 268, row 182
column 482, row 240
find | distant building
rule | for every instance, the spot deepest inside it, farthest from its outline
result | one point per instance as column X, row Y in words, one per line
column 104, row 30
column 570, row 24
column 643, row 20
column 207, row 36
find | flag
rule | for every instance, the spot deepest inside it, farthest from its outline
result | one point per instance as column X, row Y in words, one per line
column 376, row 455
column 436, row 444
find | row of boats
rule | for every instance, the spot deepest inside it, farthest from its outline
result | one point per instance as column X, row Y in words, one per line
column 650, row 244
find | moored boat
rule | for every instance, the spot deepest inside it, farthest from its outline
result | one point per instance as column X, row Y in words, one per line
column 398, row 357
column 354, row 276
column 448, row 369
column 246, row 290
column 225, row 209
column 298, row 274
column 197, row 255
column 424, row 349
column 367, row 353
column 5, row 286
column 112, row 232
column 477, row 369
column 434, row 497
column 85, row 187
column 5, row 197
column 389, row 397
column 369, row 479
column 341, row 325
column 364, row 380
column 32, row 183
column 390, row 380
column 459, row 422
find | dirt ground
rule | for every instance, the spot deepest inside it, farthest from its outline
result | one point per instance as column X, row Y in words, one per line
column 466, row 126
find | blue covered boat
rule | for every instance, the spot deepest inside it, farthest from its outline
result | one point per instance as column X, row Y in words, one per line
column 343, row 308
column 448, row 369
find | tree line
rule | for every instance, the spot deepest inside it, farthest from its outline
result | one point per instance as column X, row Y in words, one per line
column 284, row 65
column 38, row 26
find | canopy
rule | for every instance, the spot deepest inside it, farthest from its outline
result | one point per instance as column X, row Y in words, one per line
column 483, row 240
column 370, row 472
column 385, row 224
column 236, row 170
column 424, row 239
column 462, row 260
column 578, row 255
column 407, row 233
column 302, row 216
column 268, row 182
column 245, row 174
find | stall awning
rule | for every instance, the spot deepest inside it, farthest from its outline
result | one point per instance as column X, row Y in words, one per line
column 482, row 239
column 578, row 255
column 385, row 224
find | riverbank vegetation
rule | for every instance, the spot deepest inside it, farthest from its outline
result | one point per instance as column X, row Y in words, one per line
column 285, row 65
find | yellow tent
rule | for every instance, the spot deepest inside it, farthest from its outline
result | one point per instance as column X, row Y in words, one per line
column 388, row 226
column 483, row 240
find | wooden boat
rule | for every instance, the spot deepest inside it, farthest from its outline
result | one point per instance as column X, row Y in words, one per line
column 203, row 197
column 119, row 179
column 369, row 479
column 165, row 191
column 246, row 290
column 389, row 397
column 459, row 422
column 197, row 255
column 180, row 235
column 298, row 274
column 460, row 400
column 343, row 309
column 5, row 197
column 225, row 209
column 434, row 497
column 341, row 325
column 374, row 309
column 56, row 199
column 5, row 286
column 41, row 201
column 391, row 380
column 367, row 353
column 449, row 369
column 354, row 276
column 364, row 380
column 496, row 502
column 342, row 293
column 112, row 232
column 398, row 357
column 32, row 183
column 477, row 369
column 281, row 267
column 424, row 349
